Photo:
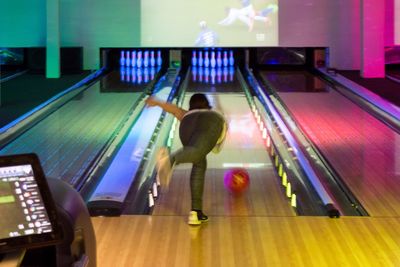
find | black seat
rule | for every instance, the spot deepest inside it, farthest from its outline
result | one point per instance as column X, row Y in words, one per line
column 79, row 243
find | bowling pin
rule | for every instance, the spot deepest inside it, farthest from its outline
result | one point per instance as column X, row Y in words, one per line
column 194, row 59
column 225, row 59
column 206, row 60
column 159, row 58
column 200, row 61
column 231, row 59
column 213, row 62
column 139, row 61
column 219, row 59
column 146, row 59
column 133, row 58
column 122, row 58
column 152, row 59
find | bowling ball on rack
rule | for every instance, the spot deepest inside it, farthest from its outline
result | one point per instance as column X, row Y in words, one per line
column 236, row 180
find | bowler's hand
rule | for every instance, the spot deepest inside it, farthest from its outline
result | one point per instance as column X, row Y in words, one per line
column 151, row 101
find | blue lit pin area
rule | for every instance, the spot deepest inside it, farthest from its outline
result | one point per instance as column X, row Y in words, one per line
column 139, row 66
column 213, row 66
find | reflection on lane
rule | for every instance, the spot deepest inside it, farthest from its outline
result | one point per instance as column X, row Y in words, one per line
column 296, row 81
column 363, row 150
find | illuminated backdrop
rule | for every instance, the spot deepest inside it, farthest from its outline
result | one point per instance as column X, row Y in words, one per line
column 188, row 23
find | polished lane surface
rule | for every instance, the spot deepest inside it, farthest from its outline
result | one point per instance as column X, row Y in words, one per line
column 68, row 140
column 362, row 150
column 244, row 147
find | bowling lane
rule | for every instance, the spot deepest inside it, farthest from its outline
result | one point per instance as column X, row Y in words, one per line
column 25, row 91
column 243, row 148
column 393, row 74
column 362, row 150
column 68, row 140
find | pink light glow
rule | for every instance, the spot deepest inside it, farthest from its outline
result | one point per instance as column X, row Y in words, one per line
column 243, row 129
column 360, row 148
column 397, row 22
column 372, row 39
column 389, row 22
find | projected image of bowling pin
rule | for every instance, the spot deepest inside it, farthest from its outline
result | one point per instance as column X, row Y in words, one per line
column 206, row 60
column 152, row 72
column 231, row 72
column 194, row 73
column 122, row 58
column 139, row 61
column 225, row 74
column 133, row 75
column 139, row 75
column 194, row 59
column 152, row 59
column 128, row 74
column 201, row 73
column 146, row 75
column 219, row 75
column 122, row 73
column 206, row 75
column 213, row 74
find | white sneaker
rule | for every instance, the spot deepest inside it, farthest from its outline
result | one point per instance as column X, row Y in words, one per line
column 197, row 217
column 193, row 219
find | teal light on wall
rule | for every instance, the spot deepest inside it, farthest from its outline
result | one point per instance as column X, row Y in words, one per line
column 22, row 23
column 53, row 39
column 88, row 24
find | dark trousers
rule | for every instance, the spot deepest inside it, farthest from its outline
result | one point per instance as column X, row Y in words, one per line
column 199, row 132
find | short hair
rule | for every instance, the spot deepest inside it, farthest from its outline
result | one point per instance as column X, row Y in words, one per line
column 199, row 101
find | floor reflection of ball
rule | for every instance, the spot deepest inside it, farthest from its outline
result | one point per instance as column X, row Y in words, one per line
column 236, row 180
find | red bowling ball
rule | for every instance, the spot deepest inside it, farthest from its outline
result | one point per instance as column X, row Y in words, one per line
column 236, row 180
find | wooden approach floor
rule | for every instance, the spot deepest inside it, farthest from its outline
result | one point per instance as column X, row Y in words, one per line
column 247, row 241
